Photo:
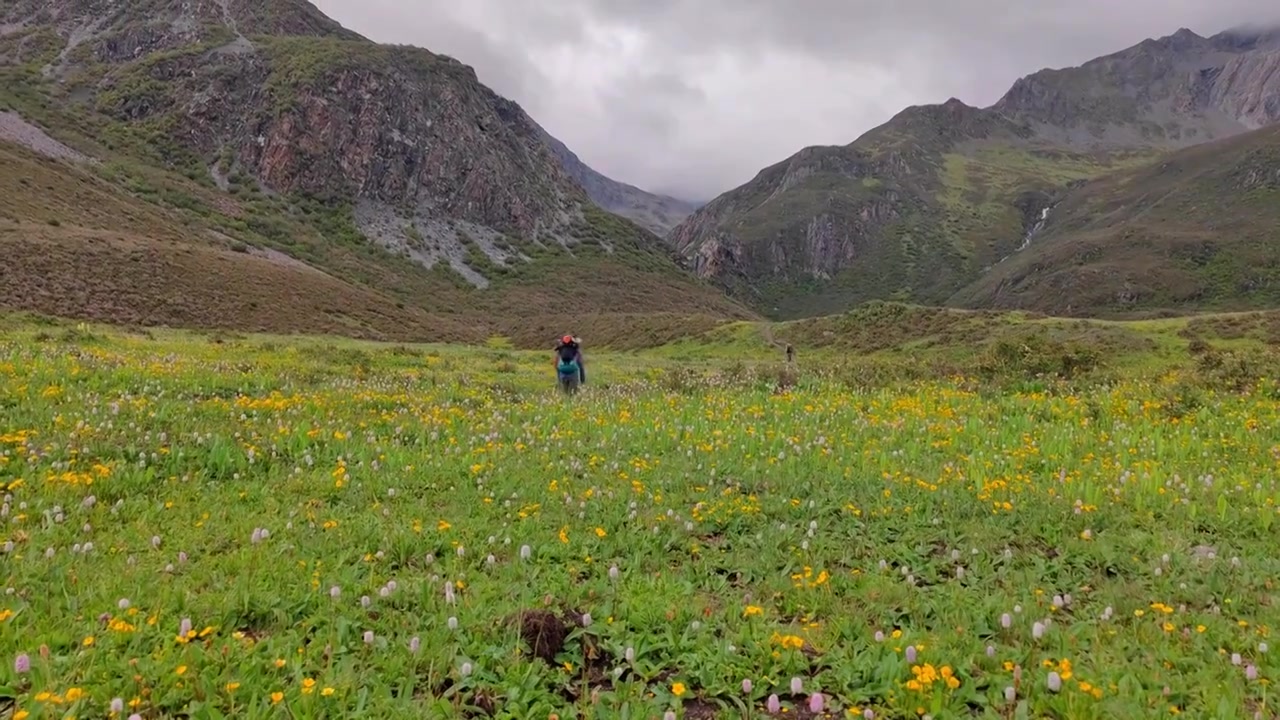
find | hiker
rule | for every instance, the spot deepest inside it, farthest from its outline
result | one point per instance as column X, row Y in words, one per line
column 570, row 368
column 791, row 354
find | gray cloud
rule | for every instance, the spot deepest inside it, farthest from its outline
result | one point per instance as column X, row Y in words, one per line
column 693, row 97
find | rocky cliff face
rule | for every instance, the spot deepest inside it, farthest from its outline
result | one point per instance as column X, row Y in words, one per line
column 277, row 92
column 926, row 203
column 814, row 244
column 408, row 133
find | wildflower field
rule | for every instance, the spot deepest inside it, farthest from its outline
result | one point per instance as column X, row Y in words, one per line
column 297, row 529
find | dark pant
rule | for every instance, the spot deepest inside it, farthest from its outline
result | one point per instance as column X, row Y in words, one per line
column 569, row 383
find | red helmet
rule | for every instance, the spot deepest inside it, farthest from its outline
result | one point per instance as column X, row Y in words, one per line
column 567, row 339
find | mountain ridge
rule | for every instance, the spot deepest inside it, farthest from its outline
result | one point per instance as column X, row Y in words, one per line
column 944, row 202
column 272, row 132
column 114, row 33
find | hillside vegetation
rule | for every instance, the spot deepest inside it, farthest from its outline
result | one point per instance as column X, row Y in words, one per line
column 1194, row 230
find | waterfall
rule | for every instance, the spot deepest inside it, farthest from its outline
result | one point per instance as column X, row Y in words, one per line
column 1035, row 230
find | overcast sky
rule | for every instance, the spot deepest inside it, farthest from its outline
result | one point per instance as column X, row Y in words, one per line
column 693, row 97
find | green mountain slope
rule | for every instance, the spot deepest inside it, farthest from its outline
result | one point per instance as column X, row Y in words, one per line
column 919, row 208
column 1196, row 230
column 266, row 127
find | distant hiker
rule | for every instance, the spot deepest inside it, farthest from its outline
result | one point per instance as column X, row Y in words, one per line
column 570, row 368
column 791, row 354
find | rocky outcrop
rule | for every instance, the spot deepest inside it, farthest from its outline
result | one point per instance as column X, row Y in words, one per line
column 381, row 129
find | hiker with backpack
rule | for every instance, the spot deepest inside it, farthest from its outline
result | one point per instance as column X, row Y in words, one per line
column 570, row 368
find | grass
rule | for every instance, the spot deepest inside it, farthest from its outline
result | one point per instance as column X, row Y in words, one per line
column 268, row 527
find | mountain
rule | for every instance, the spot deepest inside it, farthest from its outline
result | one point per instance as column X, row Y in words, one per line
column 919, row 208
column 1172, row 92
column 1195, row 230
column 657, row 213
column 266, row 130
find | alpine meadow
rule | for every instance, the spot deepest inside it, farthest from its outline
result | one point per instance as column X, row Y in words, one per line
column 973, row 417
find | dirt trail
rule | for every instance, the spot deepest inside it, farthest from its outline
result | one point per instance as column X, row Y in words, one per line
column 766, row 331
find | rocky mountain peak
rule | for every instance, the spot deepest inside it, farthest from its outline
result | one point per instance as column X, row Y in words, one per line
column 1182, row 40
column 1169, row 92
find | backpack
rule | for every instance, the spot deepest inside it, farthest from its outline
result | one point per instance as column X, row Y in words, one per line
column 568, row 359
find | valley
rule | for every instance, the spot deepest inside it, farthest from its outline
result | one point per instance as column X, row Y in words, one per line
column 965, row 418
